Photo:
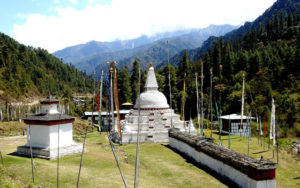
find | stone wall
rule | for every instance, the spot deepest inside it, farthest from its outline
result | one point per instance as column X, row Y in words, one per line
column 243, row 170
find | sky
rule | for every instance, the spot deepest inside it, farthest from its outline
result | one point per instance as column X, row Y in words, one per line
column 56, row 24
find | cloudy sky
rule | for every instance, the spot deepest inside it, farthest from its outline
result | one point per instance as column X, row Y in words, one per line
column 56, row 24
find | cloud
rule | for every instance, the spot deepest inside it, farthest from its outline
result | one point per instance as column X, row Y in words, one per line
column 73, row 1
column 131, row 18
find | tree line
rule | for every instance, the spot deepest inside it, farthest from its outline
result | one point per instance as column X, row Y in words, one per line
column 27, row 71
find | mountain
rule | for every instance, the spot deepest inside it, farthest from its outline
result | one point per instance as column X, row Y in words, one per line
column 265, row 53
column 75, row 53
column 27, row 71
column 87, row 57
column 280, row 7
column 158, row 52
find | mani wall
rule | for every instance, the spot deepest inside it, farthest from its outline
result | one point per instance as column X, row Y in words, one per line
column 239, row 169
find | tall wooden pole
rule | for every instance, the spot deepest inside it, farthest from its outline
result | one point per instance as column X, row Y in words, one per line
column 100, row 102
column 31, row 156
column 243, row 98
column 170, row 86
column 183, row 101
column 277, row 141
column 116, row 97
column 211, row 105
column 93, row 99
column 198, row 113
column 202, row 111
column 229, row 131
column 112, row 98
column 220, row 109
column 137, row 160
column 57, row 167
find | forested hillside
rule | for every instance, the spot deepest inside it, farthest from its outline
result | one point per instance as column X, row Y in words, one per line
column 281, row 8
column 27, row 71
column 267, row 55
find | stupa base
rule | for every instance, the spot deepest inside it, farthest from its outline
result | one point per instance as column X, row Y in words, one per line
column 49, row 153
column 156, row 137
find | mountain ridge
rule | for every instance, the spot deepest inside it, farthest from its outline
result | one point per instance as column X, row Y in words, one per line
column 126, row 49
column 239, row 32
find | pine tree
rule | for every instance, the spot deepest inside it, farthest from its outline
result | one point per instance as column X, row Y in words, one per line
column 125, row 91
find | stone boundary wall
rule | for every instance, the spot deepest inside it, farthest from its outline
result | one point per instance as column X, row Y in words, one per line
column 242, row 170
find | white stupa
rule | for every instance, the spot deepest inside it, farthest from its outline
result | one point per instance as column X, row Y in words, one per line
column 156, row 116
column 42, row 133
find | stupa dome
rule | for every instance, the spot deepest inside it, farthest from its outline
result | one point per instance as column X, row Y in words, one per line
column 151, row 98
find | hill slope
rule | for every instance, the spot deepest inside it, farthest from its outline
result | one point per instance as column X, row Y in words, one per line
column 26, row 71
column 281, row 8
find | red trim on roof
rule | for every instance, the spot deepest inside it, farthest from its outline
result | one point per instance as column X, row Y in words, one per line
column 49, row 123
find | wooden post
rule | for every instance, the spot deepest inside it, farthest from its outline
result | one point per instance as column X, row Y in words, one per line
column 197, row 93
column 170, row 86
column 243, row 98
column 100, row 102
column 211, row 117
column 137, row 160
column 116, row 99
column 93, row 100
column 202, row 115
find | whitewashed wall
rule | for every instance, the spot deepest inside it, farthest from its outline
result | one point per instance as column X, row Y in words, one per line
column 241, row 179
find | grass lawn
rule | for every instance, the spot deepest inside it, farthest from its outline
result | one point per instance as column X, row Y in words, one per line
column 159, row 166
column 288, row 169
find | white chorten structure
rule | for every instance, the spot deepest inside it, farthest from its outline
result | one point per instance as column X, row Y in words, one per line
column 42, row 133
column 156, row 116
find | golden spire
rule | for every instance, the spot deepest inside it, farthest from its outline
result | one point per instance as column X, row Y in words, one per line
column 150, row 65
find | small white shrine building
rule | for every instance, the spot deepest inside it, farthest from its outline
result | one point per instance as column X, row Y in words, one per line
column 46, row 130
column 232, row 124
column 156, row 116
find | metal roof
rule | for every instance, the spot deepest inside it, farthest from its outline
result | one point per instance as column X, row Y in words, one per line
column 235, row 117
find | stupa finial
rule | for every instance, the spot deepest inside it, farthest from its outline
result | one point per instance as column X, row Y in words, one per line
column 151, row 83
column 150, row 65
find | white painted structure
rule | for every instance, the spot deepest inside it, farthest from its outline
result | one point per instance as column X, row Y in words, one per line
column 43, row 130
column 232, row 123
column 220, row 167
column 156, row 117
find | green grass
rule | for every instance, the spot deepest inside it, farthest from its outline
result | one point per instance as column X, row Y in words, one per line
column 159, row 165
column 288, row 169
